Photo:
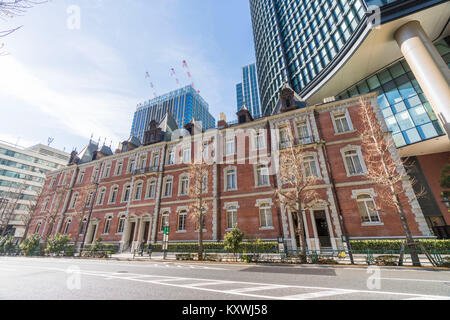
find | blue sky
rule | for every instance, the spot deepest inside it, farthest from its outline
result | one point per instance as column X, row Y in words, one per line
column 69, row 84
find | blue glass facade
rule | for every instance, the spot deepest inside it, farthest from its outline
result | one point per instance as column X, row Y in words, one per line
column 184, row 104
column 295, row 40
column 248, row 91
column 406, row 110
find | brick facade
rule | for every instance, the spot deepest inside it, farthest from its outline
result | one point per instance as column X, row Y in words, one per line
column 142, row 214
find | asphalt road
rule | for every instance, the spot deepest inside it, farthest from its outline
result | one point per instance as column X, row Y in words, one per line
column 70, row 279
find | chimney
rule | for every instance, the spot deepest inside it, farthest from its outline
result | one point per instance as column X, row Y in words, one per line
column 223, row 121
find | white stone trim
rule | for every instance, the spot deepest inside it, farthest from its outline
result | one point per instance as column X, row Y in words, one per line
column 360, row 156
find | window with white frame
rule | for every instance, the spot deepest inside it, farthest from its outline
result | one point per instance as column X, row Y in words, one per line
column 341, row 122
column 303, row 133
column 171, row 157
column 205, row 184
column 230, row 146
column 119, row 167
column 265, row 215
column 107, row 171
column 126, row 193
column 138, row 191
column 230, row 179
column 52, row 183
column 38, row 227
column 262, row 175
column 131, row 165
column 309, row 165
column 164, row 220
column 81, row 176
column 354, row 162
column 155, row 160
column 182, row 219
column 67, row 226
column 231, row 216
column 45, row 204
column 83, row 225
column 142, row 162
column 73, row 203
column 168, row 184
column 113, row 196
column 367, row 209
column 121, row 224
column 284, row 135
column 107, row 225
column 151, row 189
column 89, row 199
column 95, row 174
column 186, row 155
column 184, row 185
column 101, row 196
column 260, row 140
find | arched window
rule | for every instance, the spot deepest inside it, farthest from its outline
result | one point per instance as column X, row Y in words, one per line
column 265, row 215
column 83, row 226
column 184, row 185
column 310, row 167
column 138, row 191
column 230, row 179
column 126, row 193
column 121, row 224
column 168, row 184
column 67, row 226
column 151, row 189
column 367, row 208
column 73, row 203
column 101, row 196
column 113, row 195
column 262, row 174
column 231, row 216
column 45, row 204
column 107, row 225
column 38, row 227
column 182, row 218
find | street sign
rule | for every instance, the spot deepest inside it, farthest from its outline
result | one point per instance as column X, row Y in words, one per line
column 166, row 230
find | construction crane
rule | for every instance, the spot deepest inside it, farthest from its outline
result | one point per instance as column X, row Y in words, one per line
column 188, row 72
column 147, row 76
column 174, row 75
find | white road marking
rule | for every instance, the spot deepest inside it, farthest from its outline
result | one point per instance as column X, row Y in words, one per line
column 320, row 294
column 418, row 280
column 261, row 288
column 138, row 278
column 208, row 283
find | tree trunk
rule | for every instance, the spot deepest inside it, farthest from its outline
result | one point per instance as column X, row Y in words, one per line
column 200, row 238
column 410, row 244
column 301, row 229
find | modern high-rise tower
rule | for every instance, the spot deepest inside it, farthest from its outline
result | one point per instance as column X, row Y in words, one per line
column 335, row 49
column 330, row 48
column 248, row 91
column 184, row 104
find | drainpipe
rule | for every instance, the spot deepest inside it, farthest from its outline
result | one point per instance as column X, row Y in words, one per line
column 333, row 188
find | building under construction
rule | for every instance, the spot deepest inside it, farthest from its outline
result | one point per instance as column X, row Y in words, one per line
column 184, row 104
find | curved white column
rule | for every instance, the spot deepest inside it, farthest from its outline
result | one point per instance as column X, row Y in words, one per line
column 429, row 68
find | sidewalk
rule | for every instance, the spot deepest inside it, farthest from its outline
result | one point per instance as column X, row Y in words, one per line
column 359, row 259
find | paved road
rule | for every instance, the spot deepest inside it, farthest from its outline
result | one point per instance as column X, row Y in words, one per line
column 64, row 279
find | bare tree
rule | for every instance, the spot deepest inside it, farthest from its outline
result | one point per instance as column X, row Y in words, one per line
column 52, row 213
column 387, row 171
column 198, row 177
column 13, row 195
column 294, row 191
column 86, row 196
column 31, row 207
column 13, row 8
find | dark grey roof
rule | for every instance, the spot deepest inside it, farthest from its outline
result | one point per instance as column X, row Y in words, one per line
column 87, row 154
column 299, row 102
column 106, row 151
column 135, row 141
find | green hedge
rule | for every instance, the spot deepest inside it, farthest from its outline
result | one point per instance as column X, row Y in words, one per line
column 269, row 247
column 386, row 245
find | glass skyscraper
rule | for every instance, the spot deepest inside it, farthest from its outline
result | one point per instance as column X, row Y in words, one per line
column 248, row 91
column 328, row 48
column 184, row 104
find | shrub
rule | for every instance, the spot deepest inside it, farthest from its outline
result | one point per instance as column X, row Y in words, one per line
column 233, row 240
column 6, row 244
column 396, row 245
column 31, row 245
column 57, row 244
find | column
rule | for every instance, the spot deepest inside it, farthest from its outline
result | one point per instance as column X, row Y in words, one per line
column 428, row 67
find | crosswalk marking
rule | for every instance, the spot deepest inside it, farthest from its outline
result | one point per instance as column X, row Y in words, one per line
column 207, row 283
column 257, row 288
column 313, row 295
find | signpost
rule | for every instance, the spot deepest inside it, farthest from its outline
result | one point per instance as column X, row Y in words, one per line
column 165, row 245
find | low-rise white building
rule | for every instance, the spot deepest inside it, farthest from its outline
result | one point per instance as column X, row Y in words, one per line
column 22, row 176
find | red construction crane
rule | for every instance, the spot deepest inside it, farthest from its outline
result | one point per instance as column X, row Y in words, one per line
column 147, row 76
column 188, row 72
column 173, row 74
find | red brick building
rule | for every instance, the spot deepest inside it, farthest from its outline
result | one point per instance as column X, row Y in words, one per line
column 139, row 189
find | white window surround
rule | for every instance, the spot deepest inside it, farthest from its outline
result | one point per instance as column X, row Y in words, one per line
column 361, row 159
column 308, row 129
column 101, row 196
column 111, row 193
column 255, row 171
column 74, row 200
column 164, row 187
column 180, row 184
column 261, row 134
column 230, row 146
column 163, row 211
column 124, row 191
column 171, row 157
column 373, row 194
column 225, row 180
column 150, row 183
column 121, row 217
column 109, row 217
column 136, row 185
column 226, row 207
column 347, row 116
column 118, row 168
column 316, row 160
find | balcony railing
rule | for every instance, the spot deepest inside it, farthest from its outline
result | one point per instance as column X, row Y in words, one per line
column 145, row 170
column 297, row 142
